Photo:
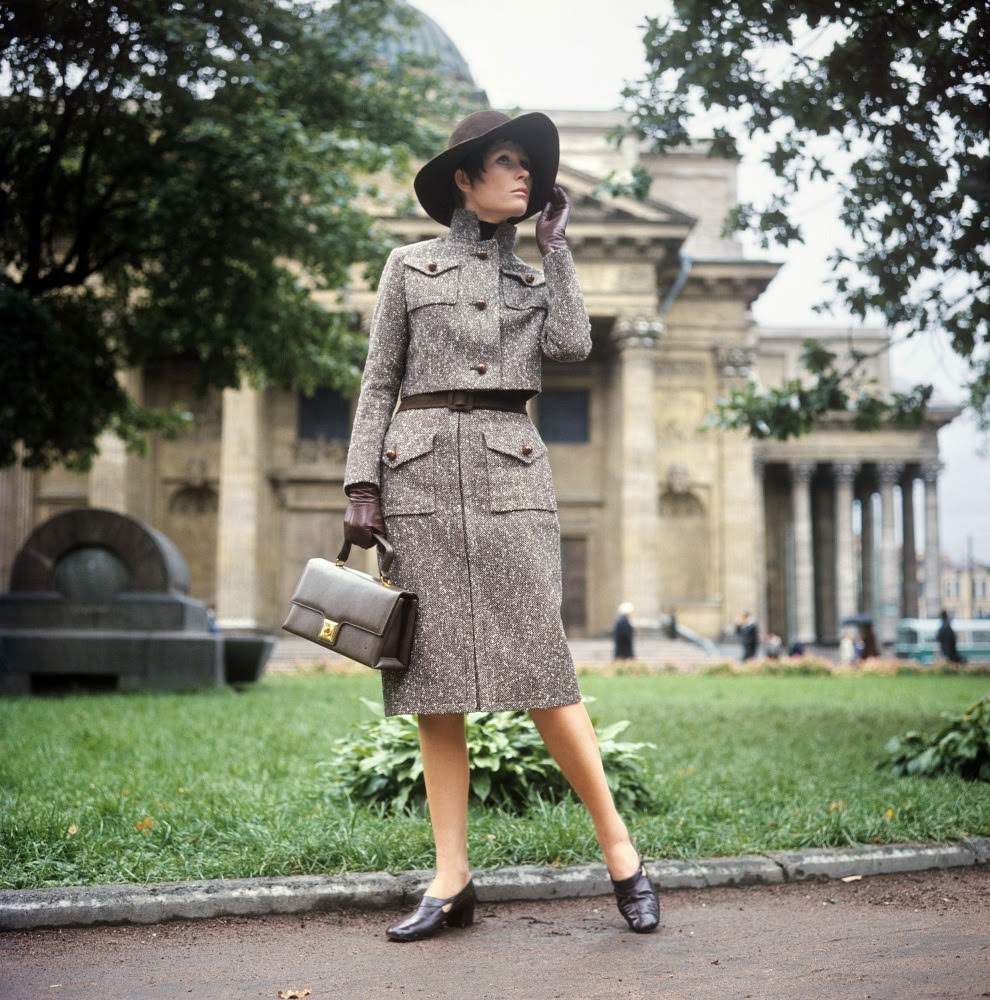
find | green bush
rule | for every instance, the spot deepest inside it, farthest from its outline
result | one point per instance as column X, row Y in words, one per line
column 510, row 767
column 961, row 746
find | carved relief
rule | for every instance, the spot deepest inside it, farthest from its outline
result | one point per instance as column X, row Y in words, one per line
column 735, row 362
column 319, row 450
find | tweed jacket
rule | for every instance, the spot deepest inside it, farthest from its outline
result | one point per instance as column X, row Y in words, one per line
column 459, row 313
column 468, row 497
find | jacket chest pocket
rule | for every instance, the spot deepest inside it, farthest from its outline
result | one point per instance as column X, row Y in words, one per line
column 430, row 283
column 524, row 291
column 409, row 474
column 519, row 476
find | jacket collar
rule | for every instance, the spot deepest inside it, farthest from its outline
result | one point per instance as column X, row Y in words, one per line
column 464, row 228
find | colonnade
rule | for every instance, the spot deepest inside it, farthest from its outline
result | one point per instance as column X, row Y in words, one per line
column 875, row 568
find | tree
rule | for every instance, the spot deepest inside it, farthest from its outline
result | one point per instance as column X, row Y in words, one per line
column 176, row 179
column 888, row 100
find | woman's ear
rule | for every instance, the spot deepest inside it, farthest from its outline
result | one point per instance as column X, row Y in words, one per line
column 462, row 180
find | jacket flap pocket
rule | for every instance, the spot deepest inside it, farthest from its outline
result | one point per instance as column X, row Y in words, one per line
column 404, row 446
column 514, row 442
column 430, row 266
column 524, row 289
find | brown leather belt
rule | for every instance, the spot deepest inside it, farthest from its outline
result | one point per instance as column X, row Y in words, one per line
column 462, row 400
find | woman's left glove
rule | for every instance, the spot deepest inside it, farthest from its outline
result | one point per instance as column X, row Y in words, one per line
column 363, row 517
column 550, row 225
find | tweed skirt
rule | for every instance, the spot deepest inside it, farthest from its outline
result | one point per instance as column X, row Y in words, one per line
column 470, row 509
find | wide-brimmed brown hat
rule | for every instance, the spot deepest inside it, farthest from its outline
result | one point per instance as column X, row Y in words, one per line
column 534, row 132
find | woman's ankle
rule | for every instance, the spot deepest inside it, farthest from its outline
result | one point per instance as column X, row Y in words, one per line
column 621, row 859
column 448, row 883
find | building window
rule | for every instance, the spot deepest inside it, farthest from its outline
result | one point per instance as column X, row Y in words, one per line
column 564, row 416
column 324, row 416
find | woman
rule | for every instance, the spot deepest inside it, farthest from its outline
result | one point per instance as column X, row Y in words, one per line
column 458, row 478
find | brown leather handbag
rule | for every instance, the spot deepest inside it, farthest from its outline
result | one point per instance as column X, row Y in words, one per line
column 365, row 619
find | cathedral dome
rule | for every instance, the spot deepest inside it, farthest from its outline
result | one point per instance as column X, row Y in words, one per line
column 427, row 41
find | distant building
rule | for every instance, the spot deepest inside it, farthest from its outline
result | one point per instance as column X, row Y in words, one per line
column 653, row 509
column 966, row 589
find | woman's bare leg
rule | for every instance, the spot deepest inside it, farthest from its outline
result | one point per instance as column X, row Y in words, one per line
column 443, row 745
column 570, row 737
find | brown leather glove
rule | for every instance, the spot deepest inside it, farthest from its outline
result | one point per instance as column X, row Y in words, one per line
column 363, row 517
column 550, row 225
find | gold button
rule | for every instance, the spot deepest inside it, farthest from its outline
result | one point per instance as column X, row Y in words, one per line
column 482, row 255
column 390, row 454
column 431, row 266
column 527, row 449
column 528, row 279
column 481, row 368
column 480, row 305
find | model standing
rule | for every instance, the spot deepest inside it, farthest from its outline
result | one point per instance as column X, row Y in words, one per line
column 459, row 480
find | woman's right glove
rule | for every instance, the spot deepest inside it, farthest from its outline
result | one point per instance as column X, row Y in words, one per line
column 363, row 517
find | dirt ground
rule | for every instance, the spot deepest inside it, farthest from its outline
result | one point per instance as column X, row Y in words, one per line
column 891, row 937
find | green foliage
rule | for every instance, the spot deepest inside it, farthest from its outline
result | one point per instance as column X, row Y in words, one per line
column 961, row 746
column 176, row 180
column 510, row 767
column 798, row 404
column 167, row 787
column 889, row 102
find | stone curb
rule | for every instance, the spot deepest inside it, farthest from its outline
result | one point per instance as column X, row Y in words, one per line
column 81, row 906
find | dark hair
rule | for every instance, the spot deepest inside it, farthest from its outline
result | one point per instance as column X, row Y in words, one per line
column 474, row 166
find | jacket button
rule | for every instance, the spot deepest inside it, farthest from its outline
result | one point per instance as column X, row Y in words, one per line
column 481, row 368
column 390, row 454
column 480, row 305
column 528, row 279
column 482, row 255
column 431, row 266
column 527, row 449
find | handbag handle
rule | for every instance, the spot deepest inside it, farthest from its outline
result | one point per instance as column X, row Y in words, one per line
column 386, row 554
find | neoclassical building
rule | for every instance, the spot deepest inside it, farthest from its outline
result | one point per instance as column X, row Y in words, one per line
column 654, row 508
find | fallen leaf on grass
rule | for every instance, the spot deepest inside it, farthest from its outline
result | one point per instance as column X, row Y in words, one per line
column 293, row 994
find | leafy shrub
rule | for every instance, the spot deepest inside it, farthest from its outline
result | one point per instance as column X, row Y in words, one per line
column 510, row 767
column 961, row 746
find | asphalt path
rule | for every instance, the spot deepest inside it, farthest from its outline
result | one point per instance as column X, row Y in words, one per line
column 883, row 937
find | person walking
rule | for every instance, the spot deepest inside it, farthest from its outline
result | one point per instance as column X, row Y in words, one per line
column 947, row 640
column 457, row 477
column 749, row 635
column 623, row 633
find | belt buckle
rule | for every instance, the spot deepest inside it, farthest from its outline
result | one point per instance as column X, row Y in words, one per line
column 460, row 400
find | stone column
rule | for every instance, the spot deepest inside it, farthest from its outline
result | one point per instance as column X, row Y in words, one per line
column 639, row 486
column 110, row 485
column 890, row 576
column 804, row 563
column 238, row 527
column 845, row 564
column 760, row 542
column 108, row 475
column 909, row 551
column 867, row 547
column 16, row 514
column 740, row 520
column 933, row 555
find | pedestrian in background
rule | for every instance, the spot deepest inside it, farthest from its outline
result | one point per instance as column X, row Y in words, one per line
column 749, row 635
column 623, row 634
column 947, row 640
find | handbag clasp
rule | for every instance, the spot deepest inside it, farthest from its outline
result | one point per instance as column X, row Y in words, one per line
column 329, row 631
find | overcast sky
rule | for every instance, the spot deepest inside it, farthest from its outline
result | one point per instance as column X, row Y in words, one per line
column 561, row 54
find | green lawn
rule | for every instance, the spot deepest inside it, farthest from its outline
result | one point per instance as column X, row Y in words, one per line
column 152, row 788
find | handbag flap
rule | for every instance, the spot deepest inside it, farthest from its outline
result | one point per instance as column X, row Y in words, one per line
column 346, row 595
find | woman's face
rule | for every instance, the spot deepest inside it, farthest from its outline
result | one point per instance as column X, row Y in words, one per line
column 502, row 190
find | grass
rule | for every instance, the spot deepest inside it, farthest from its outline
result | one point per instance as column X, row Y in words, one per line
column 157, row 788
